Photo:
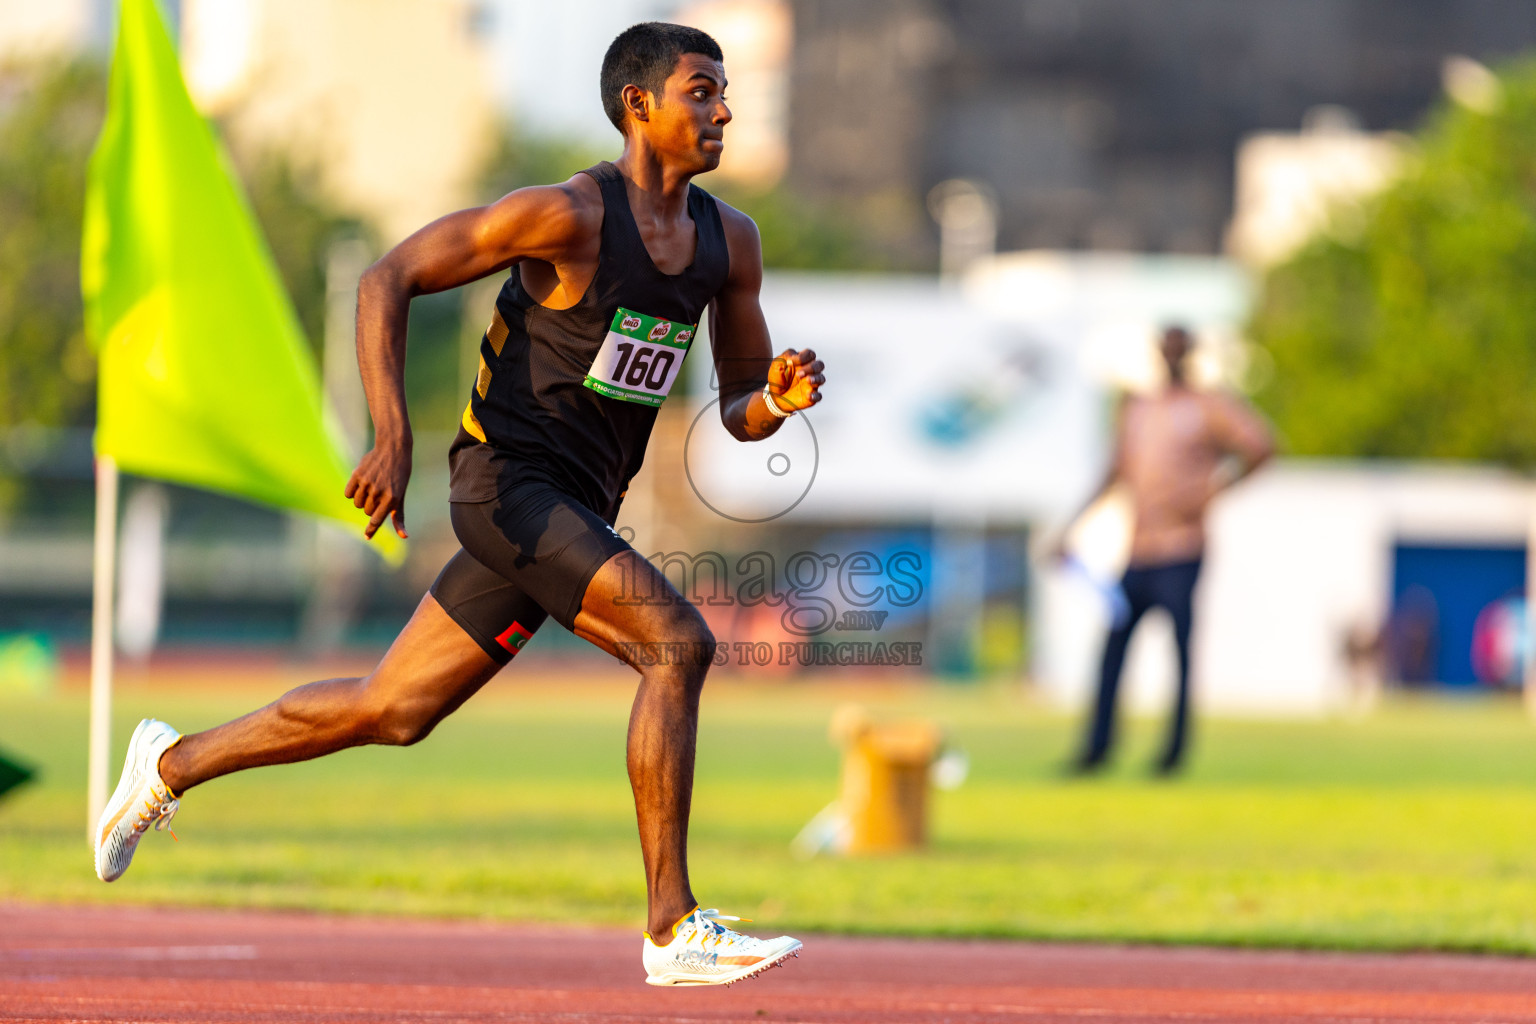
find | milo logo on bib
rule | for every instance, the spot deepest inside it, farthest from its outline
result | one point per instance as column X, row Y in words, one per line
column 640, row 358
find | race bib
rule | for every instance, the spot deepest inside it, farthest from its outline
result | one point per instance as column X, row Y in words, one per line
column 640, row 358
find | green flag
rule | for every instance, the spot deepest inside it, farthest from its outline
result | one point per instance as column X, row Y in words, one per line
column 205, row 377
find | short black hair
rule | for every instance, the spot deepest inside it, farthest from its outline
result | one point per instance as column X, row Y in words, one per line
column 645, row 55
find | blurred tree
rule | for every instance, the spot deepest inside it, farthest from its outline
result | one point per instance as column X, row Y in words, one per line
column 519, row 160
column 49, row 118
column 299, row 227
column 50, row 115
column 798, row 235
column 1408, row 330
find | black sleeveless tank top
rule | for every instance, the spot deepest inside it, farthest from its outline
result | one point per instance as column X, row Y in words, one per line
column 541, row 410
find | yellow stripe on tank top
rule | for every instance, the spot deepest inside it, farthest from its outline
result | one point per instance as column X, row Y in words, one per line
column 496, row 334
column 483, row 378
column 472, row 424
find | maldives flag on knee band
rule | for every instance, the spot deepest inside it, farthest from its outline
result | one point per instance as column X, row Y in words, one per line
column 514, row 638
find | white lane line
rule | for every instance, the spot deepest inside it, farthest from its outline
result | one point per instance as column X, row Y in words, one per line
column 131, row 953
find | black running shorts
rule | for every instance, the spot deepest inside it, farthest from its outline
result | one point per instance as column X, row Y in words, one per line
column 528, row 554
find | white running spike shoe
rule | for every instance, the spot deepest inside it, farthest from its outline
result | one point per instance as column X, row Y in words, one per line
column 705, row 952
column 141, row 799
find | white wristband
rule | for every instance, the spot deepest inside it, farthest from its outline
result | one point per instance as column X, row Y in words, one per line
column 773, row 406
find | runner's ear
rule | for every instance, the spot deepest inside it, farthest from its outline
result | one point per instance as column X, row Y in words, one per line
column 637, row 102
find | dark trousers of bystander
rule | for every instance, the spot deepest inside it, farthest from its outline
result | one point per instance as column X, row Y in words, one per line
column 1171, row 587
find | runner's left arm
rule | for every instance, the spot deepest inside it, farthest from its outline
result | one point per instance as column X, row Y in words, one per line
column 550, row 223
column 743, row 352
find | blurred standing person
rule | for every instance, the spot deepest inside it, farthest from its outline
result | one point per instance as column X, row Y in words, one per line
column 1174, row 451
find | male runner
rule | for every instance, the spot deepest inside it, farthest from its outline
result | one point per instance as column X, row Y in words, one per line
column 1175, row 451
column 611, row 272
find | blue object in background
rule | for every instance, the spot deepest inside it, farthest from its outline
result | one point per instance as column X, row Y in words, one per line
column 913, row 547
column 1462, row 582
column 1116, row 604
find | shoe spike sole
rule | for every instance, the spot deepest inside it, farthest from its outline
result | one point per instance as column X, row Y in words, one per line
column 759, row 972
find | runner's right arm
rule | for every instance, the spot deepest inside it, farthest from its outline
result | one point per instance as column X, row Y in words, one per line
column 557, row 225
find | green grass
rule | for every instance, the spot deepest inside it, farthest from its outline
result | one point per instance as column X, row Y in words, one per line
column 1415, row 828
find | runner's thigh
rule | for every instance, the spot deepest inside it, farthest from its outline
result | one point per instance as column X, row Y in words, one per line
column 493, row 610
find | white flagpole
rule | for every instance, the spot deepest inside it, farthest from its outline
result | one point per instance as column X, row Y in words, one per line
column 105, row 562
column 1528, row 680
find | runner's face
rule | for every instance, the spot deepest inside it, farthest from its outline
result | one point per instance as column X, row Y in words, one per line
column 689, row 122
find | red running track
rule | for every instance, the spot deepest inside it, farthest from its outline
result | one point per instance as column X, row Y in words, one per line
column 110, row 964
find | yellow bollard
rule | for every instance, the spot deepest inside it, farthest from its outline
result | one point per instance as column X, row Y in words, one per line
column 885, row 780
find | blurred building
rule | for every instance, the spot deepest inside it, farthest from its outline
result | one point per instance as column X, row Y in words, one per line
column 1291, row 185
column 389, row 101
column 547, row 57
column 1099, row 124
column 29, row 29
column 756, row 37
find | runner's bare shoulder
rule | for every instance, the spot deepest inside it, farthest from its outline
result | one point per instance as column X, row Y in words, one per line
column 742, row 241
column 553, row 222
